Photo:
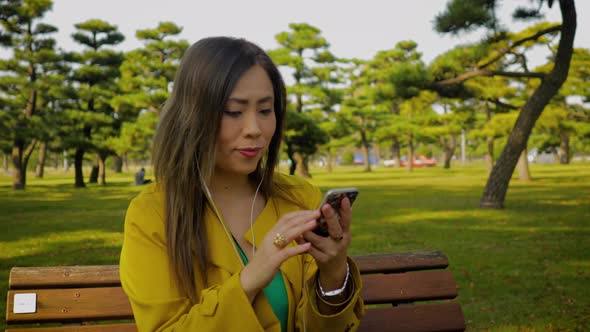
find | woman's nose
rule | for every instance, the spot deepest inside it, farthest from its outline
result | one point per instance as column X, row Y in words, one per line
column 251, row 125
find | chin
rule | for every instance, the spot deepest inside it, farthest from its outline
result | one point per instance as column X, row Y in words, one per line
column 242, row 169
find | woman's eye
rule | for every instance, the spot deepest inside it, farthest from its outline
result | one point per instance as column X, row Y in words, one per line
column 233, row 114
column 266, row 111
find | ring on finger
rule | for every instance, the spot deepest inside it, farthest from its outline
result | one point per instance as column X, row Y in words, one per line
column 338, row 237
column 279, row 241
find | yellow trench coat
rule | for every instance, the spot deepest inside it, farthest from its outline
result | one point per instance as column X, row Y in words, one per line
column 158, row 305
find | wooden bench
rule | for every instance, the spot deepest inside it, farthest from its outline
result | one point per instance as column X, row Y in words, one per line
column 394, row 286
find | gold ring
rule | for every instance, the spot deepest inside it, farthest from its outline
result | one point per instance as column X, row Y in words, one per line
column 338, row 237
column 279, row 241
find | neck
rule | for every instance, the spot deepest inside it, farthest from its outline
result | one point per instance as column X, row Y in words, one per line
column 223, row 185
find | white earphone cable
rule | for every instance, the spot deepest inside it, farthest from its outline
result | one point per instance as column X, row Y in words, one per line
column 252, row 217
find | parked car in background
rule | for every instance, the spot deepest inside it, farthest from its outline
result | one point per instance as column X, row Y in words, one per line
column 389, row 162
column 420, row 160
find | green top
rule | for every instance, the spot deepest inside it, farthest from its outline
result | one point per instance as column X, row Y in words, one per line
column 276, row 294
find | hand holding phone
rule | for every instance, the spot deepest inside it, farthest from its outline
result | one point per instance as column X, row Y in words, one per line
column 334, row 198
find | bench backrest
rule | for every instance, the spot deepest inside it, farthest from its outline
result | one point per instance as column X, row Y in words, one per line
column 394, row 285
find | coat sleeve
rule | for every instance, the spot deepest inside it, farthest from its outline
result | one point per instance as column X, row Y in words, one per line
column 155, row 299
column 309, row 317
column 308, row 314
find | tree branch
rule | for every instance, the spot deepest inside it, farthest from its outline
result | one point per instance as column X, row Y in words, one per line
column 30, row 149
column 483, row 72
column 502, row 104
column 520, row 42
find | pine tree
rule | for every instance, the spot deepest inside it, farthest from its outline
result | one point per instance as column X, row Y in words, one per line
column 146, row 75
column 95, row 73
column 460, row 16
column 32, row 47
column 306, row 52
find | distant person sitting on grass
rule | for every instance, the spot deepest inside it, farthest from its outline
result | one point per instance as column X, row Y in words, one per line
column 139, row 177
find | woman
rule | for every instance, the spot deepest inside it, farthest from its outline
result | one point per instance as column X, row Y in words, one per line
column 221, row 242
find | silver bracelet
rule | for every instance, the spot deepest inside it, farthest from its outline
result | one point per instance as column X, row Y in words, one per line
column 338, row 291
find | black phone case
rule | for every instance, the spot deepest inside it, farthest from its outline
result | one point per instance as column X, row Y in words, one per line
column 334, row 201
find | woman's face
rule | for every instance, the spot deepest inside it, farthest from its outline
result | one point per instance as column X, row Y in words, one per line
column 247, row 125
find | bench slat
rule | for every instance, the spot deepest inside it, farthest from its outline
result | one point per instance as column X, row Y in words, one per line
column 430, row 317
column 73, row 305
column 414, row 318
column 408, row 287
column 64, row 276
column 108, row 275
column 401, row 262
column 83, row 328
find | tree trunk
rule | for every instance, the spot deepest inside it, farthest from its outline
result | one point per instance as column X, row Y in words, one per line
column 293, row 165
column 463, row 146
column 495, row 191
column 19, row 178
column 329, row 161
column 118, row 164
column 125, row 163
column 300, row 166
column 395, row 152
column 56, row 161
column 410, row 154
column 20, row 159
column 367, row 162
column 365, row 147
column 5, row 162
column 93, row 178
column 94, row 172
column 523, row 167
column 376, row 154
column 78, row 163
column 102, row 157
column 66, row 162
column 555, row 155
column 291, row 155
column 564, row 149
column 306, row 167
column 41, row 163
column 449, row 151
column 303, row 167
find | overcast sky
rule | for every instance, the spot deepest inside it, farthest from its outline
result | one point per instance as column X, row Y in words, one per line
column 354, row 28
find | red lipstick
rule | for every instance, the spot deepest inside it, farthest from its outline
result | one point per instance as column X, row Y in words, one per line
column 249, row 152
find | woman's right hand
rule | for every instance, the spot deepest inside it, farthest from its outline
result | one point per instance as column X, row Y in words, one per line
column 263, row 267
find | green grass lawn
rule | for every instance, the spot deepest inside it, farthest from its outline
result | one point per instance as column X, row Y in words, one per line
column 524, row 268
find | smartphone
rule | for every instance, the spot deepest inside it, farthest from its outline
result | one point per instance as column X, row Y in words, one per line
column 334, row 198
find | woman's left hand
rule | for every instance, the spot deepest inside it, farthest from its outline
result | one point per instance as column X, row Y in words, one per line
column 331, row 252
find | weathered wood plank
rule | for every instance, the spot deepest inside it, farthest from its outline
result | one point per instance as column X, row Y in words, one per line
column 108, row 275
column 64, row 276
column 73, row 305
column 414, row 318
column 82, row 328
column 408, row 287
column 401, row 262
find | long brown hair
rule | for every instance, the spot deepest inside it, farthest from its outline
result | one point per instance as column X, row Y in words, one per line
column 185, row 141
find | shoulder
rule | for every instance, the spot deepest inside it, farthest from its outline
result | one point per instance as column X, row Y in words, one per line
column 298, row 190
column 150, row 196
column 146, row 210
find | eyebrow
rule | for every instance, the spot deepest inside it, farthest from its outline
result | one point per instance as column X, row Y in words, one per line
column 245, row 101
